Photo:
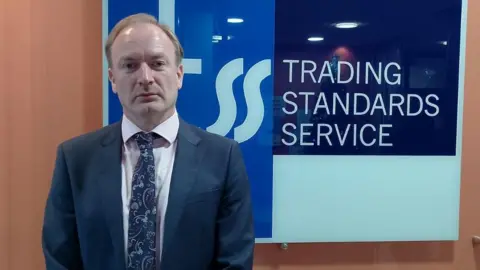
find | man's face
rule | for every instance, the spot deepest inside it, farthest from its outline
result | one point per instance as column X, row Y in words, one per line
column 144, row 71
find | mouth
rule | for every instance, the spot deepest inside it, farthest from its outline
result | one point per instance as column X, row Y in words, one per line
column 147, row 96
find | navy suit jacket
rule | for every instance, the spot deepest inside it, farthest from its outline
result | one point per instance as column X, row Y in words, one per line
column 208, row 223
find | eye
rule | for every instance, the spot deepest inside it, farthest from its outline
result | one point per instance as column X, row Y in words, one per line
column 158, row 64
column 129, row 66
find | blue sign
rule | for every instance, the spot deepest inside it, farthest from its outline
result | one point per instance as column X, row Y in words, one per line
column 216, row 72
column 349, row 115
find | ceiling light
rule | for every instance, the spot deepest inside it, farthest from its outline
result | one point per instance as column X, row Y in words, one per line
column 217, row 37
column 235, row 20
column 315, row 39
column 346, row 25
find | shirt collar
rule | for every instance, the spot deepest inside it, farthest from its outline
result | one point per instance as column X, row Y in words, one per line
column 168, row 129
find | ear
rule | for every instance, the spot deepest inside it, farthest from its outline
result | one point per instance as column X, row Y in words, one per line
column 112, row 80
column 180, row 76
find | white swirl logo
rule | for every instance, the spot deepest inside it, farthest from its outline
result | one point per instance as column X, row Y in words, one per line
column 253, row 97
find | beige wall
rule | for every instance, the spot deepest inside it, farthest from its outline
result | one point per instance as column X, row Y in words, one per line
column 50, row 89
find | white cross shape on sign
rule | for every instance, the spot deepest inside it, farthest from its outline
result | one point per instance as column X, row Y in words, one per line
column 192, row 66
column 166, row 14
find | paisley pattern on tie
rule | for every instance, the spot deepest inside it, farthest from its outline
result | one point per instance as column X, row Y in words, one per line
column 143, row 209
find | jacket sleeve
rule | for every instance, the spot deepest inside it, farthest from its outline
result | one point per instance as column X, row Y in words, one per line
column 235, row 233
column 60, row 243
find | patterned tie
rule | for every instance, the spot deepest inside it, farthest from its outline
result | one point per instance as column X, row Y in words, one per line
column 143, row 209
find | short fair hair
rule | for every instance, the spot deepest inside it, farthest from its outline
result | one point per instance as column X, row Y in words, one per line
column 141, row 18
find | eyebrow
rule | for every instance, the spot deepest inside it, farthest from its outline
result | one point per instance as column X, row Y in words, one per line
column 128, row 58
column 157, row 55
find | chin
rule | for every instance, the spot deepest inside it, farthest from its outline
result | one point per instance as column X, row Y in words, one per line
column 152, row 108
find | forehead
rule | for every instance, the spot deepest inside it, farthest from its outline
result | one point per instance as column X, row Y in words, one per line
column 142, row 39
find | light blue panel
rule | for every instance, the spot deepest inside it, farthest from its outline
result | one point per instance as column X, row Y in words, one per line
column 356, row 198
column 105, row 83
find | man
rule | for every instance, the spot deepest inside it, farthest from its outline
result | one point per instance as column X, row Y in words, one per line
column 151, row 191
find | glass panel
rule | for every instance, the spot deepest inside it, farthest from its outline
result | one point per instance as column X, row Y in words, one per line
column 351, row 135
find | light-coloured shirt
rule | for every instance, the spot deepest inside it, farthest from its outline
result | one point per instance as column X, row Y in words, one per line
column 164, row 153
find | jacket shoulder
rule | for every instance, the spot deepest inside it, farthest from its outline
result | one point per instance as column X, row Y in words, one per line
column 212, row 138
column 92, row 138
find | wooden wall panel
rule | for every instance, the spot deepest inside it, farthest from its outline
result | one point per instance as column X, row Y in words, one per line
column 51, row 89
column 4, row 162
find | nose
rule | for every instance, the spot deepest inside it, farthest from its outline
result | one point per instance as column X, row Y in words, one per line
column 146, row 76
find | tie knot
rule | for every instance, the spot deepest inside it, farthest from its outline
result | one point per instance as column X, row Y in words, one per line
column 144, row 139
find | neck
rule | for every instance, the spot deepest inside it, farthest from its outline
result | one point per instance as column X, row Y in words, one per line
column 149, row 121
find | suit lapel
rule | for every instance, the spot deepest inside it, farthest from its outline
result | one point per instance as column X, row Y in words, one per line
column 110, row 179
column 187, row 157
